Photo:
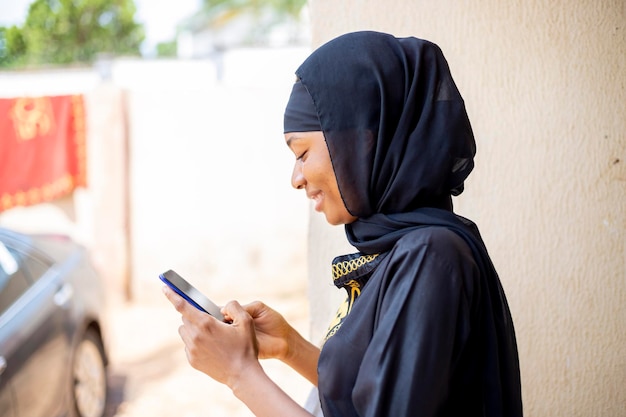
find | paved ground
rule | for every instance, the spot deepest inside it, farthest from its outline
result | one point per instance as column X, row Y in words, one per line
column 150, row 376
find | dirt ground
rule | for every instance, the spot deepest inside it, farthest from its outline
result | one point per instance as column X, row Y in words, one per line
column 149, row 374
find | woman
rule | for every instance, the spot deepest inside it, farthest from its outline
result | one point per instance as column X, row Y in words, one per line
column 382, row 141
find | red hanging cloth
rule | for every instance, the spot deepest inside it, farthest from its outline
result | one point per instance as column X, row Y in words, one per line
column 42, row 149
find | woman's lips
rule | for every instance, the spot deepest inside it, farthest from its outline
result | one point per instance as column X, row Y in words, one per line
column 317, row 199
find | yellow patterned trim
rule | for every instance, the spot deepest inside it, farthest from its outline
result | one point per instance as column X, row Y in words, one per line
column 344, row 308
column 335, row 324
column 355, row 291
column 80, row 139
column 341, row 269
column 36, row 195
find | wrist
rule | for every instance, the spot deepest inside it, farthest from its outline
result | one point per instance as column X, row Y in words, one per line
column 294, row 343
column 302, row 356
column 243, row 383
column 263, row 397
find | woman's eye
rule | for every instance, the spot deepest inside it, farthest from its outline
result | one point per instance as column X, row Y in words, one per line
column 299, row 158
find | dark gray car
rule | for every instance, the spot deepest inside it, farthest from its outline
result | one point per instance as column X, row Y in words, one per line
column 52, row 356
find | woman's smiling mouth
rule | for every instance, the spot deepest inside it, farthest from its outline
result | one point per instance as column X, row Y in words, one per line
column 317, row 198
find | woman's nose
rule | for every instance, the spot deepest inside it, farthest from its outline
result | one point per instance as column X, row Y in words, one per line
column 297, row 177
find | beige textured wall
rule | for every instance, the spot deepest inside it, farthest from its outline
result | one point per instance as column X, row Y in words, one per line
column 545, row 87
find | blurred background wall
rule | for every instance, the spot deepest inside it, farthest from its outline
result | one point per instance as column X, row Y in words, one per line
column 187, row 170
column 210, row 192
column 544, row 85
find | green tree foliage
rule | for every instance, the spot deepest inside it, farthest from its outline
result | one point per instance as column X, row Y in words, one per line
column 166, row 49
column 12, row 46
column 69, row 31
column 289, row 7
column 260, row 16
column 220, row 10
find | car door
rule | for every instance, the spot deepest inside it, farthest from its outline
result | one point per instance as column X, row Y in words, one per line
column 33, row 336
column 12, row 286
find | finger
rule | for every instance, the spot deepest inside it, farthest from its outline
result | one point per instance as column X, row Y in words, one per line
column 184, row 336
column 192, row 333
column 227, row 319
column 176, row 300
column 236, row 312
column 182, row 332
column 180, row 304
column 255, row 308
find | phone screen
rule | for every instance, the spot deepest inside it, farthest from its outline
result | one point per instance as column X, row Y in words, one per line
column 191, row 294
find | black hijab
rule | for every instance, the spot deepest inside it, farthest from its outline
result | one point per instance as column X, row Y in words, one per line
column 394, row 122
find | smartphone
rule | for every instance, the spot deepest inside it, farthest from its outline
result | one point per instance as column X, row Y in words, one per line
column 191, row 294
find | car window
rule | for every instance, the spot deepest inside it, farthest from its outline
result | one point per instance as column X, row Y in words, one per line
column 18, row 271
column 8, row 263
column 13, row 283
column 32, row 267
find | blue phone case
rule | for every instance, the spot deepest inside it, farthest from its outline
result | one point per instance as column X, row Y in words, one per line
column 209, row 307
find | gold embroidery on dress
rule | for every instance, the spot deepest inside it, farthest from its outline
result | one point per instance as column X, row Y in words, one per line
column 335, row 324
column 341, row 269
column 344, row 308
column 355, row 291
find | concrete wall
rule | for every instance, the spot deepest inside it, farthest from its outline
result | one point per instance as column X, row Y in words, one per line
column 210, row 174
column 544, row 84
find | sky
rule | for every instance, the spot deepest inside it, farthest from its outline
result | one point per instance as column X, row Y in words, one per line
column 159, row 17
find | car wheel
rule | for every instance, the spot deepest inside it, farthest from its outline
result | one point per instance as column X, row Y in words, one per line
column 89, row 388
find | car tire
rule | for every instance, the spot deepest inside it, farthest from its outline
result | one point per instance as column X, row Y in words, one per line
column 89, row 377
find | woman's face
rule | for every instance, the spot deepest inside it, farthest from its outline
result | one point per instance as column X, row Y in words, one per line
column 313, row 172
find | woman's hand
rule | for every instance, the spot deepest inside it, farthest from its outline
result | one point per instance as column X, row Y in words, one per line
column 273, row 333
column 222, row 351
column 229, row 354
column 278, row 339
